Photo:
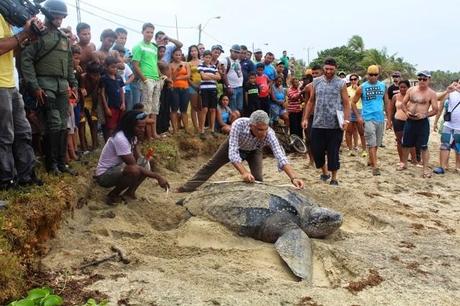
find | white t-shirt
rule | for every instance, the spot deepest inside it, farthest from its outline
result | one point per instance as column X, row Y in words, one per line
column 453, row 100
column 234, row 75
column 115, row 147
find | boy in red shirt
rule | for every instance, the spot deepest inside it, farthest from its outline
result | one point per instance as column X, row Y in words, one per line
column 264, row 84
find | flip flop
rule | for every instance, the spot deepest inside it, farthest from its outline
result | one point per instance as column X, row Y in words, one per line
column 401, row 168
column 426, row 175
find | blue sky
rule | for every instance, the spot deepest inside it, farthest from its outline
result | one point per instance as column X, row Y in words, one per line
column 422, row 32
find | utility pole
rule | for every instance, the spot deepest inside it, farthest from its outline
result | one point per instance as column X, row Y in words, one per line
column 199, row 33
column 77, row 6
column 177, row 29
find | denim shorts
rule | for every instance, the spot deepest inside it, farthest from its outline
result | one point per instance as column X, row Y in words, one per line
column 450, row 138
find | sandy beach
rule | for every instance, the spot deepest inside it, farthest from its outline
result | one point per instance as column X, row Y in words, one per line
column 399, row 244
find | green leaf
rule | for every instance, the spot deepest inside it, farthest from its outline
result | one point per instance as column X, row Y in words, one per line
column 52, row 300
column 38, row 293
column 23, row 302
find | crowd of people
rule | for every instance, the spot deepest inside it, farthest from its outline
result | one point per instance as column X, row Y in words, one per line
column 68, row 88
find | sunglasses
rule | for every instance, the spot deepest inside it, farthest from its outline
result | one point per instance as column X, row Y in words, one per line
column 353, row 79
column 141, row 116
column 423, row 79
column 373, row 74
column 395, row 76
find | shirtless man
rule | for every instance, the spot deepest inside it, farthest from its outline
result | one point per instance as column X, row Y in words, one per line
column 108, row 38
column 84, row 42
column 419, row 103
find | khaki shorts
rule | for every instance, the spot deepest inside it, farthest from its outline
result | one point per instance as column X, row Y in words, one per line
column 151, row 91
column 373, row 132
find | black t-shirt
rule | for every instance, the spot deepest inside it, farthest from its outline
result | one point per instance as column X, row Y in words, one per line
column 253, row 93
column 112, row 90
column 392, row 90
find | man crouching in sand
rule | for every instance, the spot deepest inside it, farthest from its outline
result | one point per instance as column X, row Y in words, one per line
column 247, row 138
column 120, row 165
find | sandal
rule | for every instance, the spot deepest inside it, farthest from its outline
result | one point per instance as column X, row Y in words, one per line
column 401, row 167
column 426, row 175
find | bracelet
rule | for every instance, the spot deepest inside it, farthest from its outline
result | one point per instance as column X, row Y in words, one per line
column 17, row 39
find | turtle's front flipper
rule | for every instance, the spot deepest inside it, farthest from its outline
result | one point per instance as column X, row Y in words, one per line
column 295, row 249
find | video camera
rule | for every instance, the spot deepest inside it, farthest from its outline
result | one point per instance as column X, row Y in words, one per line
column 17, row 12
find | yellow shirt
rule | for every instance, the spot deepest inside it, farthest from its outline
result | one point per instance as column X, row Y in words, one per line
column 6, row 60
column 351, row 94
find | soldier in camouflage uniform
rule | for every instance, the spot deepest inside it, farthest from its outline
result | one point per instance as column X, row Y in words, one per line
column 48, row 72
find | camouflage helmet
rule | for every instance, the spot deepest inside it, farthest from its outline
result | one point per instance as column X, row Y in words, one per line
column 56, row 8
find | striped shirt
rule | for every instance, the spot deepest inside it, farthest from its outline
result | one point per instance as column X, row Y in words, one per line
column 241, row 138
column 294, row 99
column 207, row 84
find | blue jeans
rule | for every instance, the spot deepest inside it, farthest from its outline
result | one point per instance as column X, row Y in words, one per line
column 236, row 100
column 135, row 92
column 129, row 100
column 17, row 157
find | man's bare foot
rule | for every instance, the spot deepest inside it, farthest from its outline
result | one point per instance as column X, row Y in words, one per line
column 130, row 195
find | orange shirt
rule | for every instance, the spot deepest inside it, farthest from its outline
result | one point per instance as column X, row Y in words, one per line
column 181, row 83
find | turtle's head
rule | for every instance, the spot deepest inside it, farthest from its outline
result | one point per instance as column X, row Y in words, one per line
column 319, row 222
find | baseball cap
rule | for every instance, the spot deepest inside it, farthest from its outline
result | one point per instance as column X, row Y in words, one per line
column 341, row 72
column 396, row 74
column 218, row 47
column 424, row 73
column 373, row 69
column 236, row 48
column 258, row 50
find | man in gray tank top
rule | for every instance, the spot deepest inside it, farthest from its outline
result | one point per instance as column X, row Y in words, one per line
column 328, row 96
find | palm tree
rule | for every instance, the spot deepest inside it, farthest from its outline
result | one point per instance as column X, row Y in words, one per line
column 380, row 58
column 356, row 43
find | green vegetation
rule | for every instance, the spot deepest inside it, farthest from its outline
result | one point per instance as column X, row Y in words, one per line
column 354, row 57
column 39, row 297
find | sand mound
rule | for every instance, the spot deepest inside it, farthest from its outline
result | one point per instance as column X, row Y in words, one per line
column 399, row 244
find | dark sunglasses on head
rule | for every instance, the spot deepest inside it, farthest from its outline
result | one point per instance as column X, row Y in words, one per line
column 373, row 74
column 423, row 79
column 353, row 79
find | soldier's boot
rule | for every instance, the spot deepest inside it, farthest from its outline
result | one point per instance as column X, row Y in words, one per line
column 62, row 154
column 51, row 152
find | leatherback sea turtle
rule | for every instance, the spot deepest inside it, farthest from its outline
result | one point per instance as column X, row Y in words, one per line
column 272, row 214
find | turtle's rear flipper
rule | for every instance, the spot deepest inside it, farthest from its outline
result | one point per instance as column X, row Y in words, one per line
column 294, row 247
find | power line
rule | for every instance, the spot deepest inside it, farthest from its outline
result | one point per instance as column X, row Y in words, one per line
column 106, row 19
column 132, row 19
column 212, row 37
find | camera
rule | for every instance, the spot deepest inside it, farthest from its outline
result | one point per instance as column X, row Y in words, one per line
column 17, row 12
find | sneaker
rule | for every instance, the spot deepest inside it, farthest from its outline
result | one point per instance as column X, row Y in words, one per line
column 334, row 183
column 7, row 185
column 439, row 170
column 364, row 154
column 202, row 136
column 324, row 177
